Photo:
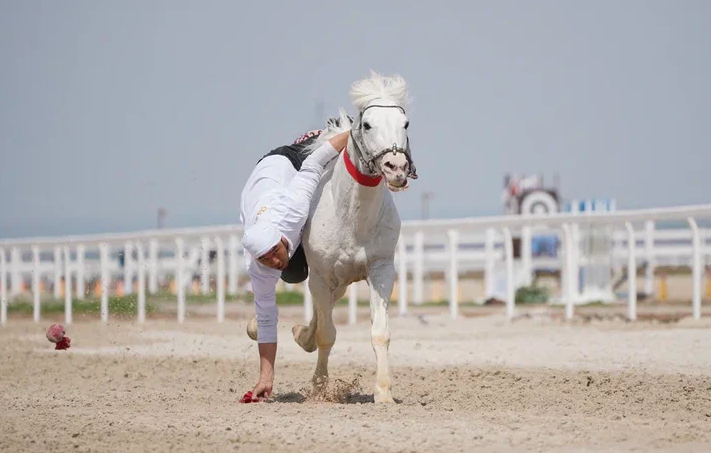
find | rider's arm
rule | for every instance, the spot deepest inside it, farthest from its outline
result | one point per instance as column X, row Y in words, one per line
column 300, row 190
column 303, row 185
column 264, row 288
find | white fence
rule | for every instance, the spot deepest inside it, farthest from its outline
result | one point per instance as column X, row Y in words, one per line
column 453, row 246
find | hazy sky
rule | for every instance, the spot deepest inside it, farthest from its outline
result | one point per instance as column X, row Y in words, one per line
column 111, row 109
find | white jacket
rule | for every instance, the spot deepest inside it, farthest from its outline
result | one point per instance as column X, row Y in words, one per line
column 276, row 192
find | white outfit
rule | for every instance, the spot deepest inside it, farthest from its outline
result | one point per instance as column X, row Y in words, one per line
column 276, row 193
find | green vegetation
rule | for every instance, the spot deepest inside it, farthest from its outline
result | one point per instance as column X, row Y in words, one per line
column 288, row 298
column 126, row 305
column 531, row 295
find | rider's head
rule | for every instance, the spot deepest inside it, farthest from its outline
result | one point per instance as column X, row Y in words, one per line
column 264, row 242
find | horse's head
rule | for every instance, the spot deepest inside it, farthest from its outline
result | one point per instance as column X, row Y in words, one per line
column 380, row 131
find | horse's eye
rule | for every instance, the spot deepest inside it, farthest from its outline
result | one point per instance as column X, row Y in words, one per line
column 407, row 124
column 366, row 126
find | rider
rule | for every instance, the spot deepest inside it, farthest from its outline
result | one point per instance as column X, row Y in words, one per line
column 275, row 206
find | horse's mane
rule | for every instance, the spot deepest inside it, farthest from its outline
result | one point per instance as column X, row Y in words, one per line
column 362, row 93
column 393, row 88
column 334, row 126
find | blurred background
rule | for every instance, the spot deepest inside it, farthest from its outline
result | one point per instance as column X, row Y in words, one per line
column 116, row 116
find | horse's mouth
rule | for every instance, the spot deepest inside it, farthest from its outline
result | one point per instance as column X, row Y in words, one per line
column 401, row 188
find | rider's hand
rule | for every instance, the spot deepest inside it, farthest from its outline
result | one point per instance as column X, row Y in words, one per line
column 263, row 390
column 340, row 141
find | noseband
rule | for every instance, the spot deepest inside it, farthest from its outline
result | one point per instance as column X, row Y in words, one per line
column 370, row 163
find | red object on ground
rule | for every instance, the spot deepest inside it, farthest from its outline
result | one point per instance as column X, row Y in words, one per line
column 63, row 343
column 55, row 334
column 247, row 398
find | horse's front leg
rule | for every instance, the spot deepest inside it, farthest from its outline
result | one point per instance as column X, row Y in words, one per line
column 381, row 278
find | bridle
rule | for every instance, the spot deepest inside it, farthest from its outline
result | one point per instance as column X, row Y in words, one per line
column 370, row 163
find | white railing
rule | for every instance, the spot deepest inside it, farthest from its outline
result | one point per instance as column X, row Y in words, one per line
column 450, row 245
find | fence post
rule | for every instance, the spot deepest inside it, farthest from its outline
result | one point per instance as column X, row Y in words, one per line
column 57, row 271
column 489, row 261
column 67, row 287
column 631, row 272
column 105, row 282
column 418, row 269
column 3, row 287
column 128, row 268
column 15, row 276
column 564, row 287
column 141, row 269
column 526, row 255
column 453, row 243
column 402, row 276
column 696, row 271
column 569, row 280
column 649, row 254
column 510, row 291
column 179, row 273
column 205, row 268
column 220, row 279
column 36, row 283
column 575, row 261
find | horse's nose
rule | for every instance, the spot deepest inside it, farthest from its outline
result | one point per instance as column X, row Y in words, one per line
column 401, row 175
column 395, row 167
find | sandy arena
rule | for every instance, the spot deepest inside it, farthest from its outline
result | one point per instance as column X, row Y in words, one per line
column 476, row 384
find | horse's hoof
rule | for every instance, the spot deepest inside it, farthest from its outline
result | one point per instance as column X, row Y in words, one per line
column 299, row 332
column 319, row 385
column 252, row 329
column 383, row 396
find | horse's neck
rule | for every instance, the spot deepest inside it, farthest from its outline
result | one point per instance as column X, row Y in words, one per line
column 359, row 206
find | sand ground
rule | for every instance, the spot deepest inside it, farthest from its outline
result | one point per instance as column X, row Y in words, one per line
column 480, row 383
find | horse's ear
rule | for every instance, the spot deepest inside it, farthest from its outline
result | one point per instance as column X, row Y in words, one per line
column 336, row 122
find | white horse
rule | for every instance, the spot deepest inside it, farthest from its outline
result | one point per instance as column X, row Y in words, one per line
column 353, row 228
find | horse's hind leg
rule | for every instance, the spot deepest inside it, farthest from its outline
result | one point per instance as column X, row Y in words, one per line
column 305, row 336
column 325, row 331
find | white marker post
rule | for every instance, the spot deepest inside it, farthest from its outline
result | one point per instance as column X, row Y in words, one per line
column 220, row 279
